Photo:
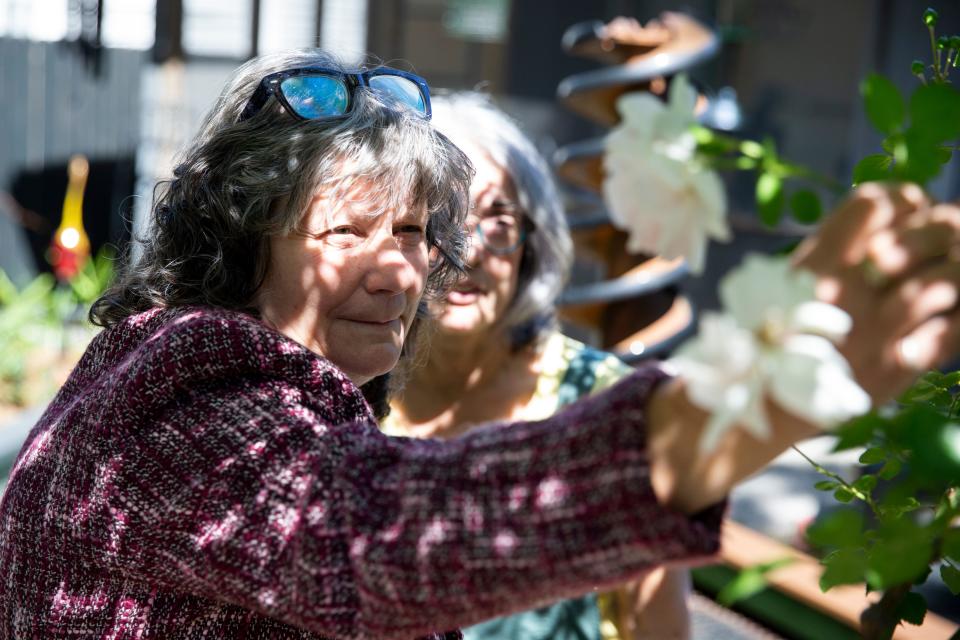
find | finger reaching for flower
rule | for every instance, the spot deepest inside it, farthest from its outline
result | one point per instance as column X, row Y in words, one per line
column 906, row 322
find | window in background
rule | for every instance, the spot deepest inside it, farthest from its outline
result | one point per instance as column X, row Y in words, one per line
column 129, row 24
column 477, row 20
column 287, row 24
column 344, row 29
column 34, row 19
column 217, row 29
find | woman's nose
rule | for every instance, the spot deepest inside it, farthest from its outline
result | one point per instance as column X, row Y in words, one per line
column 392, row 268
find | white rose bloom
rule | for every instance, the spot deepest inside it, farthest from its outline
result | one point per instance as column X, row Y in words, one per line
column 777, row 341
column 655, row 187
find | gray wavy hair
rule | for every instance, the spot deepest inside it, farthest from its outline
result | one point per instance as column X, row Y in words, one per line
column 239, row 183
column 470, row 117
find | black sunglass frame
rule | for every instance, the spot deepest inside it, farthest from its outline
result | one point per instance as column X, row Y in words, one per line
column 270, row 86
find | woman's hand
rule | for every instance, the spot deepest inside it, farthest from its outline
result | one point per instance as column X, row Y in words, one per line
column 886, row 257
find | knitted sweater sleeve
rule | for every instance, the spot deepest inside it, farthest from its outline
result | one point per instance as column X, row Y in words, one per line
column 260, row 497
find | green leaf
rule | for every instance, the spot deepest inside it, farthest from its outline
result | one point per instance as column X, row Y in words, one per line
column 894, row 506
column 748, row 582
column 944, row 380
column 840, row 528
column 936, row 450
column 931, row 389
column 859, row 431
column 752, row 149
column 901, row 553
column 935, row 112
column 843, row 495
column 826, row 485
column 883, row 103
column 865, row 484
column 951, row 544
column 845, row 566
column 770, row 198
column 744, row 585
column 919, row 160
column 873, row 167
column 873, row 455
column 890, row 469
column 951, row 578
column 806, row 206
column 912, row 608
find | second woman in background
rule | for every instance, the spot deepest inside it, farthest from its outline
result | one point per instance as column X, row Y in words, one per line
column 497, row 355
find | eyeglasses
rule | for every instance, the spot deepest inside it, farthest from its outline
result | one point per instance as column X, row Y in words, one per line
column 502, row 228
column 315, row 93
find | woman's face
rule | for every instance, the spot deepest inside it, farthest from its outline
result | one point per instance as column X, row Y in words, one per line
column 481, row 297
column 347, row 284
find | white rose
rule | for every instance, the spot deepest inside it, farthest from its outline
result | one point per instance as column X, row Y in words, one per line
column 655, row 188
column 776, row 341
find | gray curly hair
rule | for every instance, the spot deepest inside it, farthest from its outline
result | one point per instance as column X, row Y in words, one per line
column 471, row 117
column 239, row 183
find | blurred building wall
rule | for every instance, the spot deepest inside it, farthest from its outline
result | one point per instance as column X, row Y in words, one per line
column 55, row 104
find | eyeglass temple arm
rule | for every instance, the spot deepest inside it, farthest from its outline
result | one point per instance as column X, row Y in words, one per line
column 256, row 101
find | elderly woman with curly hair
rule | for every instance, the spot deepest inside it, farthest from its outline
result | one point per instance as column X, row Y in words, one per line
column 213, row 469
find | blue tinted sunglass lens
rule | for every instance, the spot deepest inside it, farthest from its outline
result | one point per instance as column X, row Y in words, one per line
column 400, row 89
column 316, row 96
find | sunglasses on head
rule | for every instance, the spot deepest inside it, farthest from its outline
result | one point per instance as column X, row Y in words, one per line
column 315, row 93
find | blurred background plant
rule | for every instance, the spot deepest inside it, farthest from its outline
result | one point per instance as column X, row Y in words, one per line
column 44, row 329
column 43, row 324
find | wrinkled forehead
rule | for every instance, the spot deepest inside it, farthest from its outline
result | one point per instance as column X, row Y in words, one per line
column 363, row 195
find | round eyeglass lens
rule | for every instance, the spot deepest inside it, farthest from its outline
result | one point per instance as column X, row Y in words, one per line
column 316, row 96
column 400, row 89
column 499, row 234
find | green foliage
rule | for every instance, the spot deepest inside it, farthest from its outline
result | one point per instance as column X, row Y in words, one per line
column 933, row 112
column 43, row 323
column 843, row 566
column 873, row 167
column 921, row 134
column 842, row 528
column 883, row 103
column 912, row 609
column 805, row 205
column 773, row 174
column 909, row 497
column 770, row 198
column 915, row 152
column 748, row 582
column 951, row 577
column 900, row 553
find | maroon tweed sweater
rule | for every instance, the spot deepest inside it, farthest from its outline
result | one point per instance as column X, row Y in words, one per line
column 201, row 476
